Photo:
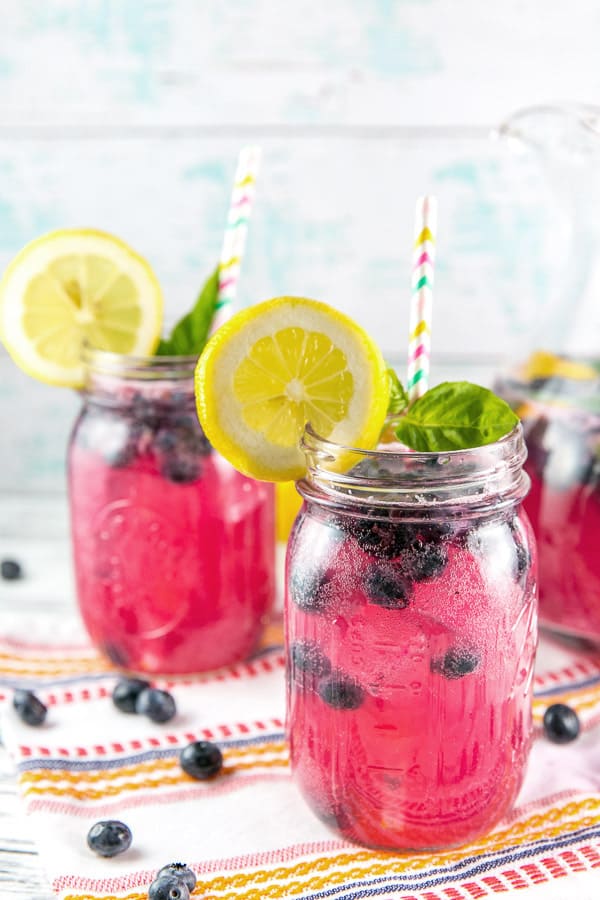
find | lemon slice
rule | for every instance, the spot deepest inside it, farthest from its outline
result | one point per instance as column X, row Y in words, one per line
column 278, row 365
column 542, row 364
column 72, row 286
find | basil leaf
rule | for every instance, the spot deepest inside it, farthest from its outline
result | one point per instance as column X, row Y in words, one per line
column 190, row 334
column 455, row 415
column 398, row 396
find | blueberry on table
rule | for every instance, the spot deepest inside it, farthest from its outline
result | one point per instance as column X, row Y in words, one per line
column 387, row 586
column 157, row 705
column 126, row 693
column 201, row 759
column 456, row 663
column 180, row 871
column 109, row 837
column 561, row 723
column 11, row 570
column 168, row 887
column 29, row 708
column 341, row 692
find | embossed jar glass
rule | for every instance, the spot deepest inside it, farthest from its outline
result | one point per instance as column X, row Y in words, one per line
column 173, row 548
column 411, row 629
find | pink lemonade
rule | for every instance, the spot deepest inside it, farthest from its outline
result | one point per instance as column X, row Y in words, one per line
column 411, row 635
column 173, row 549
column 563, row 443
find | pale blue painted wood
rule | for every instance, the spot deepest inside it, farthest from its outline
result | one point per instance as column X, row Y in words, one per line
column 128, row 116
column 345, row 62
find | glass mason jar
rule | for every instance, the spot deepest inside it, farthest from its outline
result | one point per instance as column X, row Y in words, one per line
column 411, row 631
column 173, row 548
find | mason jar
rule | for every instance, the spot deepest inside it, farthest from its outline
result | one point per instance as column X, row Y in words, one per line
column 411, row 629
column 173, row 548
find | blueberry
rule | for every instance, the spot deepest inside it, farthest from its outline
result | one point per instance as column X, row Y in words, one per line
column 145, row 412
column 385, row 540
column 310, row 590
column 341, row 692
column 109, row 837
column 29, row 708
column 126, row 693
column 424, row 559
column 180, row 468
column 561, row 723
column 180, row 871
column 168, row 887
column 308, row 664
column 182, row 433
column 201, row 759
column 456, row 663
column 11, row 570
column 387, row 586
column 157, row 705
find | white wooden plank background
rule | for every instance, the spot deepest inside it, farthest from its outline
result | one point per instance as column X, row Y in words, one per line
column 129, row 115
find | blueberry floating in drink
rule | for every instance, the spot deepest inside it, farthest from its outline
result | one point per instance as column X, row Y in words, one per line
column 387, row 586
column 310, row 589
column 308, row 664
column 456, row 663
column 341, row 692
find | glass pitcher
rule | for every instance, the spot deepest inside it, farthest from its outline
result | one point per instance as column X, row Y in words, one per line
column 555, row 387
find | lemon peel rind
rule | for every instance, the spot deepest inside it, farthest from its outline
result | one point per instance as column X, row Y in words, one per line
column 254, row 456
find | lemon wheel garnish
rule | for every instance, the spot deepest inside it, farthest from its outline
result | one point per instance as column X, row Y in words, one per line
column 74, row 286
column 278, row 365
column 542, row 364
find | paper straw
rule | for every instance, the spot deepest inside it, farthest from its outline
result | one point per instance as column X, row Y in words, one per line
column 419, row 344
column 236, row 231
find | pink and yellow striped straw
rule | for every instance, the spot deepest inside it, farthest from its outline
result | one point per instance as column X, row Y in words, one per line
column 419, row 344
column 236, row 232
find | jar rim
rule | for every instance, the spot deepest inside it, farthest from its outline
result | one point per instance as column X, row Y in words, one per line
column 450, row 481
column 124, row 365
column 312, row 440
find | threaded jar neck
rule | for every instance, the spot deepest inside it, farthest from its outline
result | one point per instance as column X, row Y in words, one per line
column 363, row 482
column 119, row 380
